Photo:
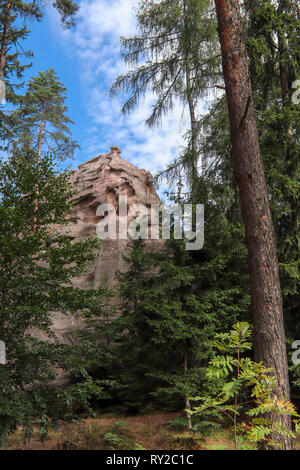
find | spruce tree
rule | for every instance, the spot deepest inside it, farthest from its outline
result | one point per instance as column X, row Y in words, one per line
column 168, row 316
column 278, row 127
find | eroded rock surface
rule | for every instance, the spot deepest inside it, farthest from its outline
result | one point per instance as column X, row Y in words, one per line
column 102, row 180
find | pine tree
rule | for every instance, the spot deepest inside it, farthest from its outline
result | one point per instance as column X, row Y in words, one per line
column 12, row 10
column 272, row 43
column 260, row 238
column 12, row 65
column 14, row 16
column 43, row 122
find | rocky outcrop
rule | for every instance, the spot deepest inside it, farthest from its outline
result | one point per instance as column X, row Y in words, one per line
column 103, row 180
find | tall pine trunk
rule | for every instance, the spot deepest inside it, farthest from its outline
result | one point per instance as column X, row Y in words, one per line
column 193, row 121
column 283, row 66
column 37, row 189
column 191, row 106
column 3, row 50
column 269, row 334
column 187, row 400
column 285, row 93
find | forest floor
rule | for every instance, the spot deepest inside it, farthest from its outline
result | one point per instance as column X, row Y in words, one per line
column 151, row 432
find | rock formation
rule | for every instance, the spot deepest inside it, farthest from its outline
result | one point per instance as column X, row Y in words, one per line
column 103, row 180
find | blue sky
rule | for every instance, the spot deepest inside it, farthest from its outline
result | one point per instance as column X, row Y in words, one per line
column 87, row 59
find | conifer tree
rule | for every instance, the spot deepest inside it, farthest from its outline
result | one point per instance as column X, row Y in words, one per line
column 168, row 316
column 12, row 10
column 174, row 56
column 43, row 120
column 44, row 124
column 14, row 18
column 269, row 332
column 274, row 118
column 272, row 42
column 12, row 65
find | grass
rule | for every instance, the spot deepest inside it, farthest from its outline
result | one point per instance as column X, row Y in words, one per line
column 140, row 432
column 151, row 432
column 220, row 441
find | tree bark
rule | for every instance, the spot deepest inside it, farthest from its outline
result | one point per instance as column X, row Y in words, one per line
column 191, row 105
column 283, row 67
column 193, row 121
column 269, row 334
column 3, row 50
column 187, row 401
column 37, row 189
column 285, row 92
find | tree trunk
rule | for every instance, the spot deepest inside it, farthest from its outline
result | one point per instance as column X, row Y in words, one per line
column 187, row 401
column 191, row 105
column 193, row 121
column 37, row 190
column 3, row 50
column 285, row 93
column 269, row 334
column 283, row 64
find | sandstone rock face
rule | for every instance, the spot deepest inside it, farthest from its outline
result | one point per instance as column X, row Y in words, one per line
column 99, row 181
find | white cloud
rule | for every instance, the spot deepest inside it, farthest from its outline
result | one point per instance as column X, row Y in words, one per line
column 96, row 43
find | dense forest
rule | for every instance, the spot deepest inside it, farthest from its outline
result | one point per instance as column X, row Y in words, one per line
column 206, row 336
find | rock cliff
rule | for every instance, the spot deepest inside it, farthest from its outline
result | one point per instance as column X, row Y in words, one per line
column 103, row 180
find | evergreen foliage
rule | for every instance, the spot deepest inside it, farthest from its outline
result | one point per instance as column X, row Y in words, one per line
column 273, row 44
column 14, row 18
column 42, row 118
column 151, row 342
column 167, row 327
column 175, row 56
column 154, row 348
